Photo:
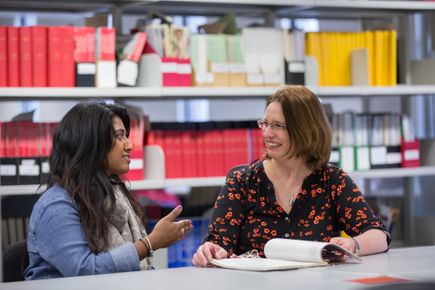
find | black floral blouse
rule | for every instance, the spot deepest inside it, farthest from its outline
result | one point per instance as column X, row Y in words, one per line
column 246, row 214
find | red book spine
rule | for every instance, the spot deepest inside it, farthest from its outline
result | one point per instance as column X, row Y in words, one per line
column 55, row 73
column 240, row 155
column 217, row 153
column 3, row 57
column 90, row 44
column 2, row 142
column 106, row 43
column 11, row 149
column 39, row 57
column 13, row 57
column 67, row 57
column 189, row 153
column 200, row 153
column 80, row 44
column 26, row 57
column 209, row 157
column 139, row 44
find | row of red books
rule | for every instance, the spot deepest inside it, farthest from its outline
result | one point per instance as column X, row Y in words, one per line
column 41, row 56
column 206, row 149
column 25, row 147
column 24, row 151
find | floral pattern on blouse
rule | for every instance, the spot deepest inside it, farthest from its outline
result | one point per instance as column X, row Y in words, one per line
column 246, row 214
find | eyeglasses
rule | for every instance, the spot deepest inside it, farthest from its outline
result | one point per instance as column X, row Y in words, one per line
column 263, row 124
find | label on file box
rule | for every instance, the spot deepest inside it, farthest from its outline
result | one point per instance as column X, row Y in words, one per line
column 237, row 68
column 136, row 164
column 255, row 79
column 412, row 154
column 378, row 155
column 204, row 78
column 29, row 169
column 86, row 68
column 218, row 67
column 394, row 158
column 169, row 67
column 362, row 158
column 334, row 157
column 296, row 67
column 184, row 68
column 45, row 167
column 272, row 78
column 8, row 170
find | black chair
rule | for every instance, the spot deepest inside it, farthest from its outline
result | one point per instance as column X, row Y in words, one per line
column 15, row 261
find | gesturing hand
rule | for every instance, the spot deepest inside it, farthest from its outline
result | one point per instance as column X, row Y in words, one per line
column 167, row 231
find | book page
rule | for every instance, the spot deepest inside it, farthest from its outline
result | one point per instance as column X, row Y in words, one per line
column 261, row 264
column 294, row 250
column 308, row 251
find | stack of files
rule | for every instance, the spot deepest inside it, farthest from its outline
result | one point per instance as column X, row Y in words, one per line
column 206, row 149
column 263, row 56
column 165, row 61
column 209, row 60
column 218, row 60
column 366, row 141
column 333, row 50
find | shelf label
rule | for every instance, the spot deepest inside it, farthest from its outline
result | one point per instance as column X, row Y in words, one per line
column 255, row 79
column 237, row 68
column 220, row 67
column 204, row 78
column 169, row 67
column 29, row 170
column 136, row 163
column 45, row 167
column 411, row 154
column 184, row 68
column 8, row 170
column 272, row 78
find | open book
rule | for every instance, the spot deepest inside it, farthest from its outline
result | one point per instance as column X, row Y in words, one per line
column 284, row 254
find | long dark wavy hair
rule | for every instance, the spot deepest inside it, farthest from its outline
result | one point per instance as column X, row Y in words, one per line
column 78, row 161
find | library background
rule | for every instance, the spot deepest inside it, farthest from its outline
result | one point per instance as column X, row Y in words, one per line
column 195, row 76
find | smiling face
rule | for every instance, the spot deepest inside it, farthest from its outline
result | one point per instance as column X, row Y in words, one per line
column 276, row 138
column 118, row 158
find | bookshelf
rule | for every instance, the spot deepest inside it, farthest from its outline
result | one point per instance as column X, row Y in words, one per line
column 205, row 92
column 264, row 8
column 220, row 180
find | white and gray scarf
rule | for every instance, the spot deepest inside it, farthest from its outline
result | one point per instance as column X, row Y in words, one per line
column 125, row 225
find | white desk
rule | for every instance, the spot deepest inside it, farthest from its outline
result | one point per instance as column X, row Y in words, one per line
column 413, row 263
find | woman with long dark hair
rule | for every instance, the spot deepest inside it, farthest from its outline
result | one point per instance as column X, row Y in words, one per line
column 87, row 221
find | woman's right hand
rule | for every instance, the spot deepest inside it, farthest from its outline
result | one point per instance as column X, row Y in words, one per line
column 167, row 231
column 206, row 252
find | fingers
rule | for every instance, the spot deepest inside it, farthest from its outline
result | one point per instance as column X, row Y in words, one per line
column 174, row 213
column 221, row 253
column 206, row 252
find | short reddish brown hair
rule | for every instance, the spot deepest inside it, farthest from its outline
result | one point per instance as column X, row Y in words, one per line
column 308, row 127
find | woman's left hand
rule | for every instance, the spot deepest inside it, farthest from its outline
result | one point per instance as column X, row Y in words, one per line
column 347, row 243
